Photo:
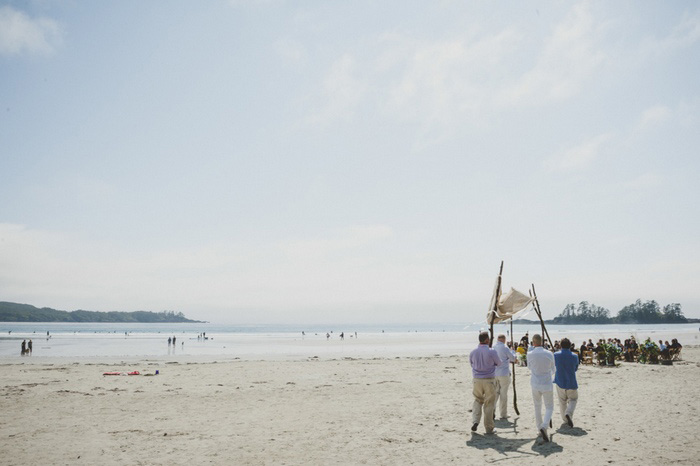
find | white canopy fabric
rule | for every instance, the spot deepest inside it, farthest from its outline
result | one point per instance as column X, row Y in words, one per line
column 509, row 305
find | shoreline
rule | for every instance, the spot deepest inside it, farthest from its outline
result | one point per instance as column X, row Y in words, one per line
column 294, row 346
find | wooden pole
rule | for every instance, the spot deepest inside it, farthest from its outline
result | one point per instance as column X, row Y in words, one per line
column 515, row 393
column 495, row 305
column 539, row 314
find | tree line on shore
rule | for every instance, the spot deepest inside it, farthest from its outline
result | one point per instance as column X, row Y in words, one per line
column 14, row 312
column 637, row 313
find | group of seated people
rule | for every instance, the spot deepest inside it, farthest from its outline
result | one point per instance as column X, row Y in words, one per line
column 669, row 351
column 628, row 350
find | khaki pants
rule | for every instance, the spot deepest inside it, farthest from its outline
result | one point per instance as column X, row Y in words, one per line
column 567, row 401
column 484, row 397
column 502, row 384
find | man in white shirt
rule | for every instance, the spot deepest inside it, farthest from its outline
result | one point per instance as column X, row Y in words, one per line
column 503, row 374
column 542, row 369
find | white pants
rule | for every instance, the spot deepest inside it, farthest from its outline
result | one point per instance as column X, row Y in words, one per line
column 502, row 384
column 548, row 397
column 567, row 402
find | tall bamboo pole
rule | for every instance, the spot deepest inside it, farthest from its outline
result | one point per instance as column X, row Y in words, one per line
column 515, row 393
column 495, row 305
column 539, row 314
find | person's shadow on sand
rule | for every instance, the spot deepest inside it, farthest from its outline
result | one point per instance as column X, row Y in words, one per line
column 504, row 446
column 573, row 431
column 546, row 448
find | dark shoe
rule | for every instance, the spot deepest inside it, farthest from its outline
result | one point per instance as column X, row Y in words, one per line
column 543, row 431
column 474, row 426
column 569, row 421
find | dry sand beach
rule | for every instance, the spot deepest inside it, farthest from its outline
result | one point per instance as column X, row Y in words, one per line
column 348, row 411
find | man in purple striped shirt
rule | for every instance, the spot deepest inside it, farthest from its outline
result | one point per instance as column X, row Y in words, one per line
column 484, row 361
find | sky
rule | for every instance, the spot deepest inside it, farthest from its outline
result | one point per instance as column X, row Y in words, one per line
column 362, row 162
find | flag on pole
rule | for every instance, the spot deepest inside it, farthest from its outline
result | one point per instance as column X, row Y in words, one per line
column 509, row 305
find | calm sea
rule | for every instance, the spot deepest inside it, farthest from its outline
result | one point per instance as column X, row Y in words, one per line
column 91, row 340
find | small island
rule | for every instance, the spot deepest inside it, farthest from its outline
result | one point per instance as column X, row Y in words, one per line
column 14, row 312
column 637, row 313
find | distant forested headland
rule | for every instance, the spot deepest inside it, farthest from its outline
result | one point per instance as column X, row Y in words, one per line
column 637, row 313
column 13, row 312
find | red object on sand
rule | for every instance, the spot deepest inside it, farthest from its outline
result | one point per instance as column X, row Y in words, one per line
column 122, row 373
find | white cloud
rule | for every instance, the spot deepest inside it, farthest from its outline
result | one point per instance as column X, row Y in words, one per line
column 653, row 116
column 577, row 158
column 570, row 57
column 442, row 83
column 644, row 181
column 20, row 34
column 685, row 34
column 342, row 91
column 291, row 51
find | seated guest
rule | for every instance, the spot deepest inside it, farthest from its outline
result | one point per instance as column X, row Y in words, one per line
column 661, row 345
column 675, row 344
column 590, row 344
column 581, row 350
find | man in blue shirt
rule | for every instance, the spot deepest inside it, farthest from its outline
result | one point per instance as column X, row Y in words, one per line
column 566, row 364
column 484, row 361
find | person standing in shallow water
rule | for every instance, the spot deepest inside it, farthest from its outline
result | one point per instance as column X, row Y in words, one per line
column 24, row 347
column 29, row 346
column 484, row 361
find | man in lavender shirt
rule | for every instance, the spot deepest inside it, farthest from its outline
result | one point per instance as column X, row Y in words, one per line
column 484, row 361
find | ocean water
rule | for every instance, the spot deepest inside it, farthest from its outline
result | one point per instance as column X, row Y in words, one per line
column 83, row 341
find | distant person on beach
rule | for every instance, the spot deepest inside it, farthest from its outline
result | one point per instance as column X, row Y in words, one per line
column 566, row 364
column 503, row 375
column 170, row 340
column 29, row 346
column 484, row 361
column 542, row 368
column 581, row 350
column 173, row 341
column 24, row 347
column 328, row 335
column 342, row 335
